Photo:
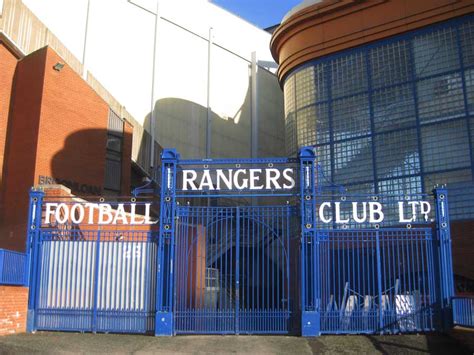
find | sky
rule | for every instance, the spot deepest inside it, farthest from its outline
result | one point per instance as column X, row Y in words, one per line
column 262, row 13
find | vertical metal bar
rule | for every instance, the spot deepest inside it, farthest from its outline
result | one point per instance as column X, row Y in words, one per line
column 379, row 281
column 237, row 271
column 33, row 250
column 96, row 283
column 443, row 236
column 310, row 321
column 164, row 315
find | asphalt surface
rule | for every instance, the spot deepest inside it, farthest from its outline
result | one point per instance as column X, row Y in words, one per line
column 56, row 342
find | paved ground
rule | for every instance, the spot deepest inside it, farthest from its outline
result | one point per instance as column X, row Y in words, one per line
column 49, row 342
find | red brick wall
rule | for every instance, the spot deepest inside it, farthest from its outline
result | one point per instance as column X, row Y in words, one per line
column 73, row 127
column 58, row 129
column 13, row 309
column 8, row 60
column 22, row 138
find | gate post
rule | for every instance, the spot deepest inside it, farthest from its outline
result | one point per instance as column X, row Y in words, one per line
column 310, row 275
column 32, row 254
column 165, row 255
column 444, row 257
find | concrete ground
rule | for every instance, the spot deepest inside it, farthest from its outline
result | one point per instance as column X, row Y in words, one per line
column 56, row 342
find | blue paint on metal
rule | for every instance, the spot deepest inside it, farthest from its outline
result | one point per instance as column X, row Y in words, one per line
column 166, row 241
column 445, row 262
column 227, row 269
column 310, row 273
column 12, row 268
column 32, row 251
column 463, row 311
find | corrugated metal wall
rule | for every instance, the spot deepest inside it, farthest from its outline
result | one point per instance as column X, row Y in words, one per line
column 121, row 300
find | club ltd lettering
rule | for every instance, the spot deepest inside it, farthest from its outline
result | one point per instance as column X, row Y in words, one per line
column 371, row 212
column 240, row 179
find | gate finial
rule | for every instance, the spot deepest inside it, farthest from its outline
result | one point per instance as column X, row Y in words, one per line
column 169, row 154
column 306, row 152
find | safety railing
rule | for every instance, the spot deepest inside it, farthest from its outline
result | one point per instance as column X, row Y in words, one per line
column 463, row 311
column 12, row 267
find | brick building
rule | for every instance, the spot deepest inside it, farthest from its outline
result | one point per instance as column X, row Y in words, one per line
column 54, row 128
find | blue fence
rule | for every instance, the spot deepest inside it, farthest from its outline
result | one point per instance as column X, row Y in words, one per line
column 463, row 311
column 12, row 268
column 288, row 256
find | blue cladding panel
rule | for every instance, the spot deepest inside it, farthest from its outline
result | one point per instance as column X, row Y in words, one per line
column 463, row 311
column 12, row 267
column 90, row 281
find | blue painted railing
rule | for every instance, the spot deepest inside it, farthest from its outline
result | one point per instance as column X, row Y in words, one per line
column 12, row 267
column 463, row 311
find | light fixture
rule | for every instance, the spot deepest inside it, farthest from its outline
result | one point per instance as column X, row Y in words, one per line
column 58, row 66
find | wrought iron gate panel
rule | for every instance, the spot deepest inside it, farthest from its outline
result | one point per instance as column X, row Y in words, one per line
column 205, row 295
column 376, row 281
column 232, row 269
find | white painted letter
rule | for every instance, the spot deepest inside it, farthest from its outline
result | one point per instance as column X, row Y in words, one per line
column 91, row 207
column 206, row 181
column 253, row 179
column 338, row 213
column 80, row 208
column 133, row 214
column 425, row 209
column 244, row 184
column 62, row 218
column 375, row 208
column 413, row 209
column 189, row 179
column 401, row 214
column 355, row 214
column 289, row 178
column 105, row 210
column 272, row 179
column 120, row 214
column 49, row 212
column 321, row 212
column 227, row 180
column 147, row 215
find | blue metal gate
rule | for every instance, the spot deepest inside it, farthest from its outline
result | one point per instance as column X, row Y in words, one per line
column 387, row 277
column 93, row 278
column 282, row 255
column 232, row 269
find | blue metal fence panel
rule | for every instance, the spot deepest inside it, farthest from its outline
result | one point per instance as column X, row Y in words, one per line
column 12, row 267
column 463, row 311
column 324, row 262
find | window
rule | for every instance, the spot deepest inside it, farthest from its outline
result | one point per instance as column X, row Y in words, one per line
column 113, row 161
